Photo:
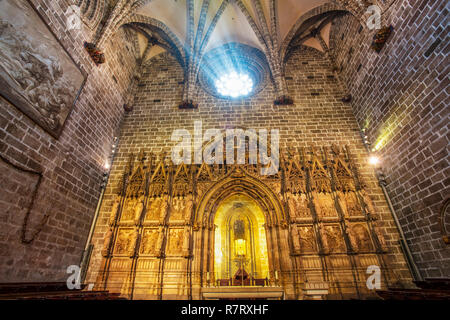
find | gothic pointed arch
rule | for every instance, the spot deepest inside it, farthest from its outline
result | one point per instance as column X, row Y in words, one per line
column 239, row 182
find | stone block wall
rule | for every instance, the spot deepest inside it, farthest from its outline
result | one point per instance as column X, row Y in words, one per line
column 401, row 97
column 71, row 166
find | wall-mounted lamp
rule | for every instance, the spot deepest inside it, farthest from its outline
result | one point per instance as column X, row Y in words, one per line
column 374, row 160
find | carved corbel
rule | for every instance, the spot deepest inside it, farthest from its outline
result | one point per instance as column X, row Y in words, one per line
column 107, row 243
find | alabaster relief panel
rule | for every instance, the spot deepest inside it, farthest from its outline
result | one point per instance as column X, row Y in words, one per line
column 307, row 240
column 37, row 75
column 181, row 208
column 332, row 238
column 175, row 241
column 149, row 241
column 349, row 203
column 324, row 206
column 156, row 208
column 298, row 206
column 125, row 242
column 359, row 237
column 128, row 209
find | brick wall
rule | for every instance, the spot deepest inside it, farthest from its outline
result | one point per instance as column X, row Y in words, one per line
column 401, row 97
column 318, row 118
column 72, row 165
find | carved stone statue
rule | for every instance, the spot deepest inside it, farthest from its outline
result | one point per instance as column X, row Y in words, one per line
column 368, row 203
column 159, row 243
column 295, row 239
column 178, row 209
column 353, row 240
column 186, row 239
column 107, row 242
column 138, row 210
column 380, row 236
column 316, row 205
column 353, row 207
column 163, row 209
column 342, row 204
column 323, row 236
column 188, row 209
column 114, row 209
column 292, row 205
column 302, row 206
column 132, row 243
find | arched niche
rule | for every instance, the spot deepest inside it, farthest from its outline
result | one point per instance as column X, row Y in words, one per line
column 240, row 239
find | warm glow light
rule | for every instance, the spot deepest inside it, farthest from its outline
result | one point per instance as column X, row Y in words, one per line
column 374, row 160
column 240, row 247
column 107, row 165
column 234, row 85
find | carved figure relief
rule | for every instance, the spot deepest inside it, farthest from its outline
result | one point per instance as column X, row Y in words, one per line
column 177, row 208
column 332, row 238
column 359, row 238
column 370, row 209
column 124, row 241
column 324, row 205
column 128, row 210
column 153, row 208
column 149, row 240
column 352, row 203
column 175, row 241
column 36, row 74
column 307, row 240
column 298, row 206
column 378, row 231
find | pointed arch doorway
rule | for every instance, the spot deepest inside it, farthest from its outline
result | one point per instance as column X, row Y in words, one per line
column 239, row 237
column 240, row 252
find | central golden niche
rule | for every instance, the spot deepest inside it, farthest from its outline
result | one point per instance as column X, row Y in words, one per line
column 240, row 242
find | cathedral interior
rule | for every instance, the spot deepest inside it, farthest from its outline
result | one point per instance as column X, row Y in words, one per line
column 224, row 149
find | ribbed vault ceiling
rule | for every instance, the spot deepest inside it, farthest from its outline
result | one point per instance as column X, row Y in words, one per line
column 233, row 26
